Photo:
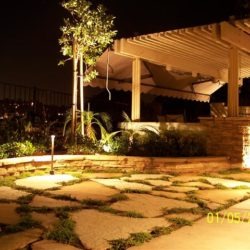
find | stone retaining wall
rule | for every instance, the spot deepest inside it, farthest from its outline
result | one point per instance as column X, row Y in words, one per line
column 125, row 163
column 229, row 137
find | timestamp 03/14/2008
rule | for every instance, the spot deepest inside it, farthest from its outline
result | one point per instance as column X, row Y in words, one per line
column 228, row 217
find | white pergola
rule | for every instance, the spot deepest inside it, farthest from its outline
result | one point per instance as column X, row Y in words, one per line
column 189, row 63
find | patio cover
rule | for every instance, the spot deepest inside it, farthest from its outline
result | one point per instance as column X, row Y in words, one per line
column 190, row 63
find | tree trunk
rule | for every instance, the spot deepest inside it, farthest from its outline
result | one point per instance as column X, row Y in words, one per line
column 74, row 94
column 81, row 95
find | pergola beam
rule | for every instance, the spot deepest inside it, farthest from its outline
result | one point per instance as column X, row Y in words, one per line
column 132, row 49
column 234, row 36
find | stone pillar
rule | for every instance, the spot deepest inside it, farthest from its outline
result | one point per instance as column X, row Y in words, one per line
column 233, row 83
column 136, row 90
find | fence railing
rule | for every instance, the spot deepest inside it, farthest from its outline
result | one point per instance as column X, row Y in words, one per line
column 27, row 93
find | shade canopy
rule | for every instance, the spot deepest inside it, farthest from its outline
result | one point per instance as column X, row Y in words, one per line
column 190, row 63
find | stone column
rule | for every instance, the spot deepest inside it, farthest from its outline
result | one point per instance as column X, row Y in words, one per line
column 233, row 83
column 136, row 90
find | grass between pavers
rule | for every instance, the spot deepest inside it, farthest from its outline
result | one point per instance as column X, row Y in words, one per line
column 135, row 191
column 145, row 182
column 118, row 197
column 63, row 232
column 26, row 222
column 139, row 238
column 134, row 239
column 194, row 199
column 131, row 214
column 25, row 199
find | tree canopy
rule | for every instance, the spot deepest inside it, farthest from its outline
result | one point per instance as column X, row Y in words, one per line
column 90, row 29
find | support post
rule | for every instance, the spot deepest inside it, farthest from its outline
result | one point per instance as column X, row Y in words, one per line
column 233, row 83
column 81, row 96
column 136, row 90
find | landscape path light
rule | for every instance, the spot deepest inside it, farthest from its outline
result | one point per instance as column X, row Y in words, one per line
column 52, row 154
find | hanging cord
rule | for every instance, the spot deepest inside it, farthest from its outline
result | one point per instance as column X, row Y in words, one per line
column 107, row 77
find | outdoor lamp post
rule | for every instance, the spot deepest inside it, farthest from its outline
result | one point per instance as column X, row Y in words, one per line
column 52, row 153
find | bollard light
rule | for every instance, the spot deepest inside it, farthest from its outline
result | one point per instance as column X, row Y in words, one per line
column 52, row 154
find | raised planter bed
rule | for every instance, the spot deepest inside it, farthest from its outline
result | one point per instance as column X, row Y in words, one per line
column 124, row 163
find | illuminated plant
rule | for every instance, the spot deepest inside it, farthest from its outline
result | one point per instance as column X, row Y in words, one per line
column 85, row 35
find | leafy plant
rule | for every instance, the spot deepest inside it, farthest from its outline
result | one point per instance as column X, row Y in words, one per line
column 63, row 232
column 16, row 149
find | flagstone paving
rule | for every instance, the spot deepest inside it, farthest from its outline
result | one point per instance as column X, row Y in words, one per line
column 19, row 240
column 147, row 176
column 169, row 194
column 51, row 245
column 95, row 228
column 203, row 236
column 238, row 212
column 41, row 201
column 186, row 216
column 222, row 195
column 227, row 183
column 197, row 184
column 44, row 181
column 159, row 182
column 8, row 214
column 87, row 190
column 121, row 185
column 181, row 189
column 9, row 193
column 150, row 206
column 47, row 220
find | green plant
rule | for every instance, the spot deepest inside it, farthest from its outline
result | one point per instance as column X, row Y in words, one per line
column 158, row 231
column 180, row 221
column 118, row 197
column 16, row 149
column 26, row 222
column 93, row 203
column 135, row 239
column 63, row 232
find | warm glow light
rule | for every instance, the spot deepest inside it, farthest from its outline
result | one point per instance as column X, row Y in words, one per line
column 246, row 147
column 52, row 153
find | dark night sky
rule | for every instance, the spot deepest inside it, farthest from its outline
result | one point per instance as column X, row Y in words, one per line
column 30, row 30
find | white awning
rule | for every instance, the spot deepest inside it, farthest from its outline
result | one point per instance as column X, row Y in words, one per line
column 189, row 63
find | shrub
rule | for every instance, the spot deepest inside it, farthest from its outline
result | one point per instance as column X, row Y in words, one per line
column 16, row 149
column 167, row 143
column 84, row 146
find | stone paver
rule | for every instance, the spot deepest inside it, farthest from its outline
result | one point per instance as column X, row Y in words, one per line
column 87, row 190
column 44, row 181
column 19, row 240
column 101, row 175
column 8, row 214
column 222, row 196
column 47, row 220
column 181, row 189
column 244, row 176
column 159, row 182
column 227, row 183
column 147, row 176
column 95, row 229
column 186, row 216
column 238, row 212
column 187, row 178
column 203, row 236
column 51, row 245
column 9, row 193
column 41, row 201
column 148, row 205
column 121, row 185
column 169, row 194
column 197, row 184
